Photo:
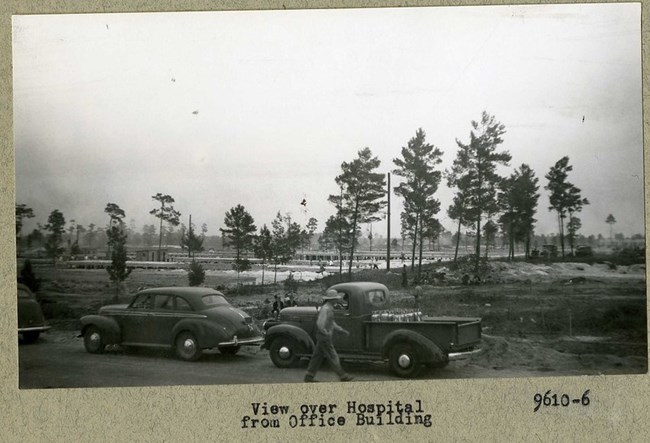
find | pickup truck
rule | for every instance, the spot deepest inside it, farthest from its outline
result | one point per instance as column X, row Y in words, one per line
column 408, row 341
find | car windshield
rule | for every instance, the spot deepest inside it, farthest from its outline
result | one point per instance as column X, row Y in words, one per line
column 213, row 300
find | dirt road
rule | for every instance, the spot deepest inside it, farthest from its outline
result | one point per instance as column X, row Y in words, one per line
column 58, row 360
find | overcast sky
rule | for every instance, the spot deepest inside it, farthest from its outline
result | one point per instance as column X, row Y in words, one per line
column 260, row 108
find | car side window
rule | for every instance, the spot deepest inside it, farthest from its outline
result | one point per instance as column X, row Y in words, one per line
column 182, row 304
column 163, row 302
column 142, row 302
column 343, row 304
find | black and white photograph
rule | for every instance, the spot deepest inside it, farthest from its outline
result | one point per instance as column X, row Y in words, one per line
column 329, row 195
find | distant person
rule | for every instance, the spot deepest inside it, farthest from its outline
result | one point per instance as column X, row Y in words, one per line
column 417, row 295
column 278, row 305
column 405, row 282
column 325, row 327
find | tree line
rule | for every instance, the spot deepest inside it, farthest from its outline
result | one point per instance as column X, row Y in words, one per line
column 483, row 201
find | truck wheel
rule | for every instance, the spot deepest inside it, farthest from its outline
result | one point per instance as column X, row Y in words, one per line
column 94, row 340
column 404, row 360
column 285, row 352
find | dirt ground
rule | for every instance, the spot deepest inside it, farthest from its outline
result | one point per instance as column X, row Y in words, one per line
column 561, row 317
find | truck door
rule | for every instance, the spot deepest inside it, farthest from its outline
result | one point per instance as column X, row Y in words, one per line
column 353, row 324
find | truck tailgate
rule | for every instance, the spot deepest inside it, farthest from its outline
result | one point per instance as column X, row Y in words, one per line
column 468, row 334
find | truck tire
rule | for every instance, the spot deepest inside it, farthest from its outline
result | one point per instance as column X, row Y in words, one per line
column 94, row 340
column 285, row 352
column 405, row 360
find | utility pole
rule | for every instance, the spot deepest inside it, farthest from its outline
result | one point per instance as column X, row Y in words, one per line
column 388, row 227
column 189, row 239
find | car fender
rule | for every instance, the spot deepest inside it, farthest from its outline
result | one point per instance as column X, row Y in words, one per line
column 430, row 351
column 208, row 334
column 287, row 330
column 108, row 326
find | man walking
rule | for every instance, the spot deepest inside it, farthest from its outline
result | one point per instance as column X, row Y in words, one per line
column 325, row 327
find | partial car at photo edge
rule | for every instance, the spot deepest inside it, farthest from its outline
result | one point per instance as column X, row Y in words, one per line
column 31, row 322
column 189, row 320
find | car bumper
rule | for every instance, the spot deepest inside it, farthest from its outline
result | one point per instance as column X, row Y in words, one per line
column 34, row 329
column 242, row 341
column 454, row 356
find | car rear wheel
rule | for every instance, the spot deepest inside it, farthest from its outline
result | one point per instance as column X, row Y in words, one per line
column 30, row 336
column 229, row 350
column 94, row 340
column 187, row 346
column 404, row 360
column 285, row 352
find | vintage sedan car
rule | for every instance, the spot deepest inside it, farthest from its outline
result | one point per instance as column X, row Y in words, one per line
column 30, row 316
column 188, row 320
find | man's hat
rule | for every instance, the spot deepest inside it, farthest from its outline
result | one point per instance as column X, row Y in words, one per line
column 331, row 294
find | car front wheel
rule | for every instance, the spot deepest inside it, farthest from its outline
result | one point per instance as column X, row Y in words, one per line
column 94, row 340
column 187, row 347
column 285, row 352
column 404, row 360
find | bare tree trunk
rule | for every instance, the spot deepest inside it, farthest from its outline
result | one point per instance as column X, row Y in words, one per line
column 415, row 239
column 457, row 240
column 354, row 237
column 478, row 243
column 420, row 259
column 160, row 241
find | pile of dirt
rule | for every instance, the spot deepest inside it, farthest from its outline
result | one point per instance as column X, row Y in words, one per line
column 539, row 355
column 501, row 352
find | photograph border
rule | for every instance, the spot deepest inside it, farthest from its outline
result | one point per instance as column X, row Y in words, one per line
column 467, row 409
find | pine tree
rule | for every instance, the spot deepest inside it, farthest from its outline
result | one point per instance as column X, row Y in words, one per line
column 286, row 238
column 55, row 227
column 421, row 179
column 239, row 233
column 474, row 173
column 362, row 193
column 165, row 213
column 564, row 197
column 117, row 271
column 263, row 248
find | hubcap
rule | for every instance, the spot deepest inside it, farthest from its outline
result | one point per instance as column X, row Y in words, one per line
column 188, row 345
column 404, row 361
column 94, row 339
column 284, row 352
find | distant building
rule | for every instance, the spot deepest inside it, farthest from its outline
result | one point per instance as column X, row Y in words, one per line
column 151, row 254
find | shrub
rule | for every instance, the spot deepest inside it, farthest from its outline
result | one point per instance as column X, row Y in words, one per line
column 27, row 277
column 196, row 273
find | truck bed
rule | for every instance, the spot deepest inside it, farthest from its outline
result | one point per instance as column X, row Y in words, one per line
column 451, row 334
